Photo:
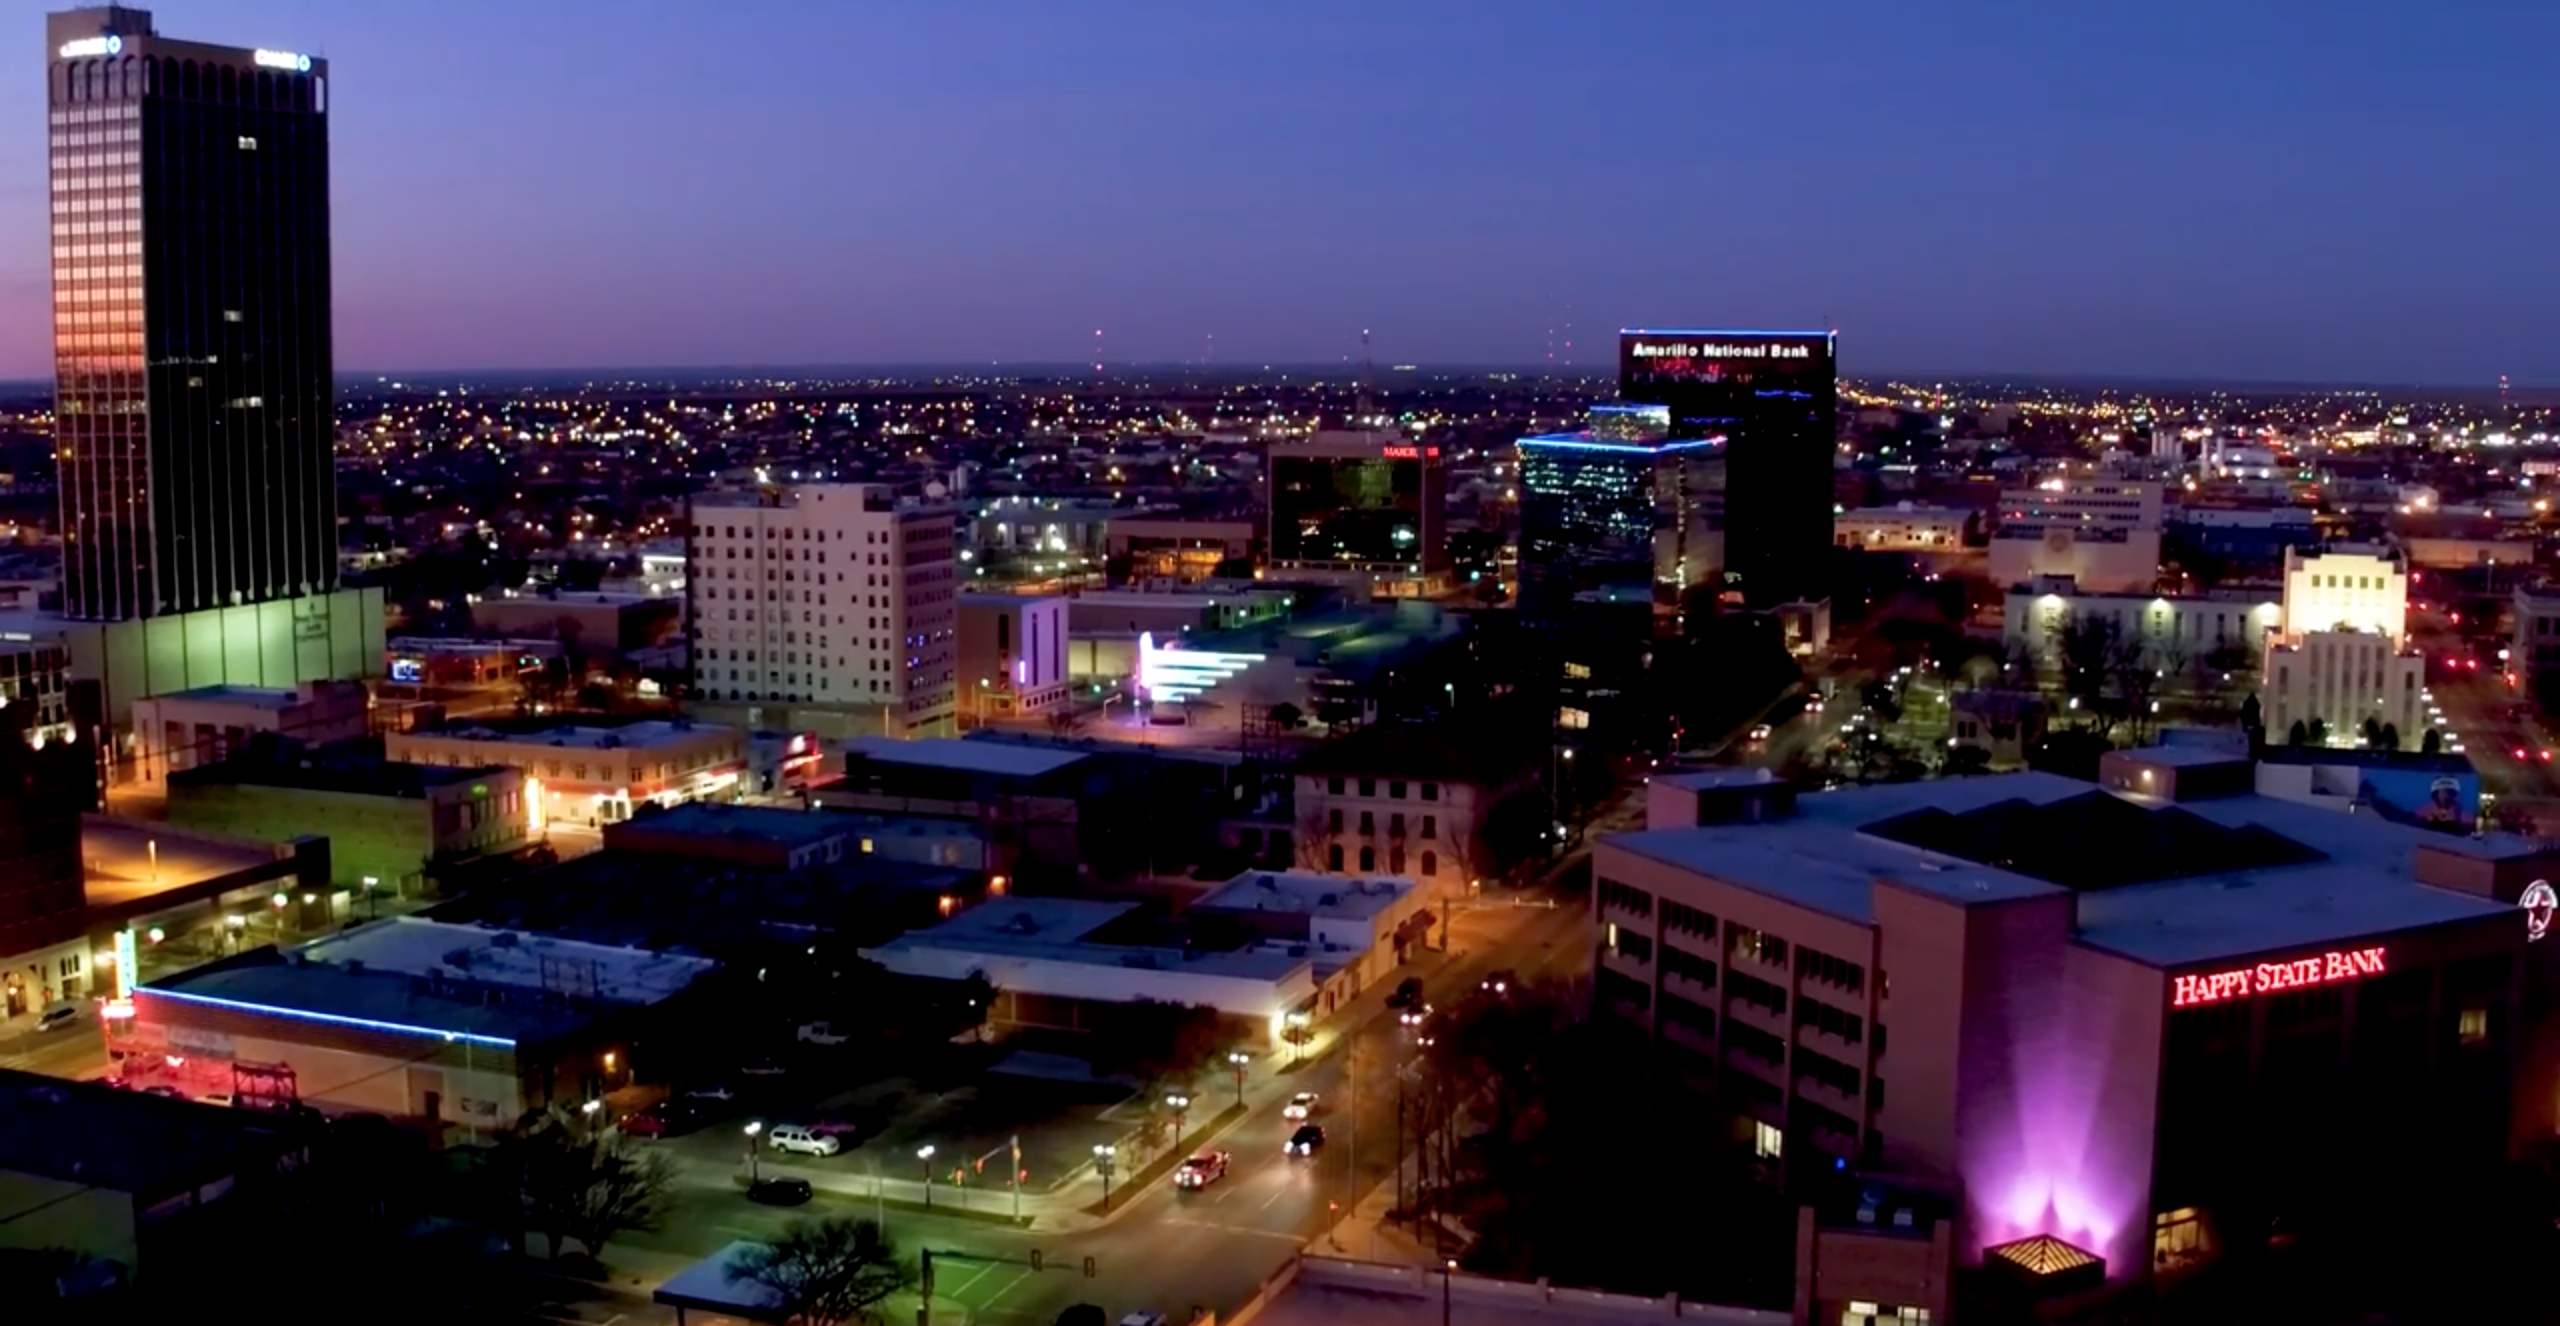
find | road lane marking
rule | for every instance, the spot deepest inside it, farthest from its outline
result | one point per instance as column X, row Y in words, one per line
column 1020, row 1274
column 1224, row 1228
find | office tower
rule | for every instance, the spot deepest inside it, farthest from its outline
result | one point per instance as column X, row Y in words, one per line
column 830, row 597
column 190, row 211
column 1364, row 509
column 1619, row 511
column 2343, row 658
column 1770, row 398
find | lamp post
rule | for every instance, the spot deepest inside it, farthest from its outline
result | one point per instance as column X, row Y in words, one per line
column 1448, row 1272
column 753, row 1172
column 372, row 900
column 1297, row 1035
column 593, row 1110
column 1180, row 1104
column 1103, row 1155
column 1237, row 1059
column 924, row 1156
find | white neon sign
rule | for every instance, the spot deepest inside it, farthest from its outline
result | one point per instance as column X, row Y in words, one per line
column 88, row 46
column 2539, row 902
column 1174, row 673
column 286, row 60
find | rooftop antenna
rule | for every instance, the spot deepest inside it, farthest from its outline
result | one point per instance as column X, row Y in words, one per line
column 1209, row 352
column 1364, row 379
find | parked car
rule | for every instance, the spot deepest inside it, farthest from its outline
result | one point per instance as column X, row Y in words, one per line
column 1201, row 1170
column 843, row 1130
column 1501, row 982
column 642, row 1123
column 1305, row 1141
column 801, row 1140
column 780, row 1192
column 821, row 1033
column 712, row 1091
column 762, row 1068
column 1299, row 1106
column 1408, row 992
column 1414, row 1016
column 163, row 1089
column 58, row 1017
column 1143, row 1319
column 1083, row 1314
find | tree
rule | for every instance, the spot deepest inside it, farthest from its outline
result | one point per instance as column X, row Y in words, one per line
column 2372, row 731
column 978, row 1001
column 1163, row 1045
column 2298, row 735
column 2390, row 736
column 573, row 1181
column 2319, row 732
column 1313, row 842
column 2432, row 743
column 1287, row 717
column 826, row 1272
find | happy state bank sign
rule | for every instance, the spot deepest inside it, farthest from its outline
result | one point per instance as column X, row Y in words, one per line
column 2345, row 964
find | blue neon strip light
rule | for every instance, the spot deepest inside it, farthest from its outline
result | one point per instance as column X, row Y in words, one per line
column 1631, row 448
column 338, row 1018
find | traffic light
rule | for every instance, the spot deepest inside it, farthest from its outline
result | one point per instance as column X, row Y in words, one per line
column 1088, row 1268
column 1035, row 1259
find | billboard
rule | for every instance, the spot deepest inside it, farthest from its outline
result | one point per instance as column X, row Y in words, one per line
column 1648, row 358
column 2430, row 797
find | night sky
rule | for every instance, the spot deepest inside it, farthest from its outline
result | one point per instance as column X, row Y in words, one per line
column 2299, row 190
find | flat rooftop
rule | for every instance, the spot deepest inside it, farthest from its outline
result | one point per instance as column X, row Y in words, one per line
column 629, row 736
column 964, row 755
column 2211, row 879
column 1060, row 930
column 1307, row 894
column 258, row 697
column 380, row 778
column 772, row 824
column 416, row 946
column 124, row 1141
column 126, row 861
column 265, row 981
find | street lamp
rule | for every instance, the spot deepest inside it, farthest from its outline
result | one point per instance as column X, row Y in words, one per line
column 591, row 1110
column 1181, row 1106
column 1237, row 1059
column 924, row 1156
column 372, row 901
column 1448, row 1272
column 1103, row 1154
column 1297, row 1035
column 753, row 1173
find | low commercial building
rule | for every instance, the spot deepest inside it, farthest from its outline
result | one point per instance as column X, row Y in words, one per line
column 2533, row 653
column 1903, row 528
column 1064, row 963
column 390, row 824
column 1359, row 929
column 151, row 1190
column 409, row 1018
column 584, row 774
column 2187, row 628
column 185, row 729
column 37, row 675
column 2128, row 1031
column 1182, row 551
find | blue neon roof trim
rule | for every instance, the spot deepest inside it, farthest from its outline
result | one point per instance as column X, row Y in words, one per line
column 1714, row 331
column 338, row 1018
column 1579, row 443
column 1626, row 407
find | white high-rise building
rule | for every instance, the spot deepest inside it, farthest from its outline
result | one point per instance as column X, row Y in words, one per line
column 2343, row 656
column 825, row 597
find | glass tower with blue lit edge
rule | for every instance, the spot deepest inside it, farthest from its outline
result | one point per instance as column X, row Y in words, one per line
column 1618, row 511
column 1772, row 398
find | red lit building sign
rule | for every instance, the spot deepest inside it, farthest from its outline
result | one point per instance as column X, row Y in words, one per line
column 1409, row 453
column 2268, row 977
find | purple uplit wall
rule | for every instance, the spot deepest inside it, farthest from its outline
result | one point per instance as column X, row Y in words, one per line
column 2060, row 1069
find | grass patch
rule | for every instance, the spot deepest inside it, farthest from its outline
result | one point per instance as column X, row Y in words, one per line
column 981, row 1207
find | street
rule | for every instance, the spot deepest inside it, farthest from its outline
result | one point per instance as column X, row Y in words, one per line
column 1162, row 1248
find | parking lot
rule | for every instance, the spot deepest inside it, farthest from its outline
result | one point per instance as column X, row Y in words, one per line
column 970, row 1119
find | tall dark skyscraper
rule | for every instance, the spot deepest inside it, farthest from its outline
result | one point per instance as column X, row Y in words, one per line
column 1771, row 397
column 192, row 357
column 1619, row 511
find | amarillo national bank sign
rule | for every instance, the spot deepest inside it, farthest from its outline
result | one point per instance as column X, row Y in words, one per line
column 2268, row 977
column 1772, row 350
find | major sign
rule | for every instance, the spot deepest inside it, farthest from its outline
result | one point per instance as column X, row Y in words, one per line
column 2268, row 977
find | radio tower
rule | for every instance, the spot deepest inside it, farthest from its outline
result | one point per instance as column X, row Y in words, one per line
column 2502, row 395
column 1363, row 420
column 1097, row 352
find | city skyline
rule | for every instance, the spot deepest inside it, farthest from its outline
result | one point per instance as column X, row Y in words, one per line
column 2216, row 196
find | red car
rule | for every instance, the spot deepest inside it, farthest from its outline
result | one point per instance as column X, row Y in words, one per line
column 1202, row 1170
column 643, row 1123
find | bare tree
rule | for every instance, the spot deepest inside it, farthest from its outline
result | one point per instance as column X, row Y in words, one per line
column 826, row 1272
column 572, row 1181
column 1313, row 842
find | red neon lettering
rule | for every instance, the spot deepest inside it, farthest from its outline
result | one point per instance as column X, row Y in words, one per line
column 2269, row 977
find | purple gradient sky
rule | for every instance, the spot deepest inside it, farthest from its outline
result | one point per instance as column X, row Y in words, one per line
column 2280, row 189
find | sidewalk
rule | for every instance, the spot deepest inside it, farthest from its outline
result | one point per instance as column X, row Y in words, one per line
column 1368, row 1234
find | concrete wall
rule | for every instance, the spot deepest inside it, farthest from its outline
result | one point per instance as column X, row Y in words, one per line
column 327, row 637
column 38, row 1212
